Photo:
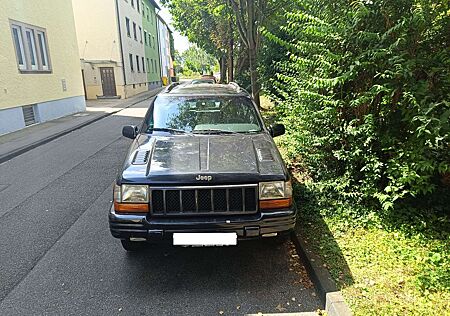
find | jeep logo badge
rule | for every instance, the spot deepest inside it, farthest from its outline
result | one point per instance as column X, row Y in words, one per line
column 203, row 178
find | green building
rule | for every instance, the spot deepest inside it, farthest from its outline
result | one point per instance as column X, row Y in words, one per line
column 151, row 43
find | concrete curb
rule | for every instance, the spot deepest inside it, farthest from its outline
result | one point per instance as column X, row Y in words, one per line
column 24, row 149
column 328, row 292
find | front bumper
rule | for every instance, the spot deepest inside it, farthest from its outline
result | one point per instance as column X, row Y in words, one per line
column 125, row 226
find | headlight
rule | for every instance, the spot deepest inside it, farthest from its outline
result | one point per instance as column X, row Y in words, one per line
column 131, row 193
column 275, row 190
column 275, row 195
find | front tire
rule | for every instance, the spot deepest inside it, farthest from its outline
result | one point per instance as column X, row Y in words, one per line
column 133, row 246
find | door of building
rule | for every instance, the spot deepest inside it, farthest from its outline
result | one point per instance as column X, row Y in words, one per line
column 108, row 81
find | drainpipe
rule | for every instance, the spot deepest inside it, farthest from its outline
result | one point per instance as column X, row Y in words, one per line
column 121, row 51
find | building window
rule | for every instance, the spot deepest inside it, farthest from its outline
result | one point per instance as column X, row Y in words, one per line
column 143, row 64
column 131, row 62
column 132, row 3
column 148, row 14
column 145, row 37
column 137, row 4
column 30, row 43
column 18, row 42
column 137, row 64
column 127, row 23
column 153, row 66
column 148, row 65
column 154, row 45
column 143, row 8
column 134, row 31
column 140, row 34
column 43, row 50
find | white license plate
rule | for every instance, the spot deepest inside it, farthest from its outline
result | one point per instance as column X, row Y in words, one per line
column 204, row 239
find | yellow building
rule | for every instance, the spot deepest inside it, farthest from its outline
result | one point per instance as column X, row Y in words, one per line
column 40, row 77
column 113, row 41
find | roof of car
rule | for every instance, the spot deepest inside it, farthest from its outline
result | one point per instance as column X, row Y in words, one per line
column 185, row 89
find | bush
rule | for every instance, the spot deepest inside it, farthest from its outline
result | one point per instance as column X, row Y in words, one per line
column 365, row 95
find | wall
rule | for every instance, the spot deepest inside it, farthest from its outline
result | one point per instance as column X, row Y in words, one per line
column 130, row 45
column 98, row 41
column 164, row 49
column 150, row 23
column 17, row 89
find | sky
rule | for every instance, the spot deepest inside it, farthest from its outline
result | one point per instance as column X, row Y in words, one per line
column 181, row 42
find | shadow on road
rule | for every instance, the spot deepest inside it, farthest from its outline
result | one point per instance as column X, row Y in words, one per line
column 254, row 276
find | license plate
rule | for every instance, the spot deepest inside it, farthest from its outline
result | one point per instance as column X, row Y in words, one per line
column 205, row 239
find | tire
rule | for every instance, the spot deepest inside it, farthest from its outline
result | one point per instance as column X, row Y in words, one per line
column 133, row 246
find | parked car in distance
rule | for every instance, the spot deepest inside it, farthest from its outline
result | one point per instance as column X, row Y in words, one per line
column 211, row 77
column 203, row 81
column 203, row 170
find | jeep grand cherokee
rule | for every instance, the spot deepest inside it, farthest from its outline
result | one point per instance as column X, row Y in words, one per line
column 202, row 170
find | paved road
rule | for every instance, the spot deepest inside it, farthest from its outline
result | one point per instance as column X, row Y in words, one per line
column 58, row 258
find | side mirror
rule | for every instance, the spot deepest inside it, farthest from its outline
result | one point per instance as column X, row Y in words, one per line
column 277, row 130
column 129, row 131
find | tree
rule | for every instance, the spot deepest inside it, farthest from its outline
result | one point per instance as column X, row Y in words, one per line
column 196, row 60
column 205, row 23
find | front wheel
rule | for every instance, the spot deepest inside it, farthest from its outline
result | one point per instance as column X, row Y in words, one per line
column 133, row 246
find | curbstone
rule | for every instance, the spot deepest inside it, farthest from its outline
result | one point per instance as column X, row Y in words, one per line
column 328, row 292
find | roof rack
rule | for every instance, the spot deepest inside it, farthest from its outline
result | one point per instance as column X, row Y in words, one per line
column 235, row 86
column 171, row 86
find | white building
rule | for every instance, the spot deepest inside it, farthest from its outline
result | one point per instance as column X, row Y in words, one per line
column 165, row 35
column 131, row 32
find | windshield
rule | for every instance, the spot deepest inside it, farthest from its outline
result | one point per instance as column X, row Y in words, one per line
column 203, row 114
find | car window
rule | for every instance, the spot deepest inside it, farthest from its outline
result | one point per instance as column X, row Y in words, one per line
column 190, row 114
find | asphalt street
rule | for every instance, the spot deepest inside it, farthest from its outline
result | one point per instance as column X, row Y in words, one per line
column 57, row 256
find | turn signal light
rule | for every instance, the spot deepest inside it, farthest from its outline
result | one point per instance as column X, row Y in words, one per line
column 274, row 204
column 131, row 208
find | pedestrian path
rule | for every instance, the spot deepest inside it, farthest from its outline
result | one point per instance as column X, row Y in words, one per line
column 16, row 143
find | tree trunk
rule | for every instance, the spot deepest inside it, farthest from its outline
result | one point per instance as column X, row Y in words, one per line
column 252, row 54
column 231, row 53
column 254, row 77
column 223, row 69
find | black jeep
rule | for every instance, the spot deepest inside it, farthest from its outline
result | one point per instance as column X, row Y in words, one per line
column 203, row 170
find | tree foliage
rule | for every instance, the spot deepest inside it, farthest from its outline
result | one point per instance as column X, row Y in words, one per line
column 195, row 60
column 365, row 93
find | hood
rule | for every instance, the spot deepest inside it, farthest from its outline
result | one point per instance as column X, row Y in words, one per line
column 201, row 159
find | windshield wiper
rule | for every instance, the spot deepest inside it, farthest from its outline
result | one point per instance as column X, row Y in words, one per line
column 213, row 131
column 165, row 129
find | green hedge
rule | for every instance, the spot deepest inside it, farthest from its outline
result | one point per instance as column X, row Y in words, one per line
column 365, row 95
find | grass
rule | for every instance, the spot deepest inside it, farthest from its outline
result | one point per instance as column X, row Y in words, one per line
column 379, row 275
column 381, row 269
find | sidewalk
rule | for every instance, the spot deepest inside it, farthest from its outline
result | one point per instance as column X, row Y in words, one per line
column 19, row 142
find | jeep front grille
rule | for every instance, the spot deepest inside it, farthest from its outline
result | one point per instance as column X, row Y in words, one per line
column 204, row 200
